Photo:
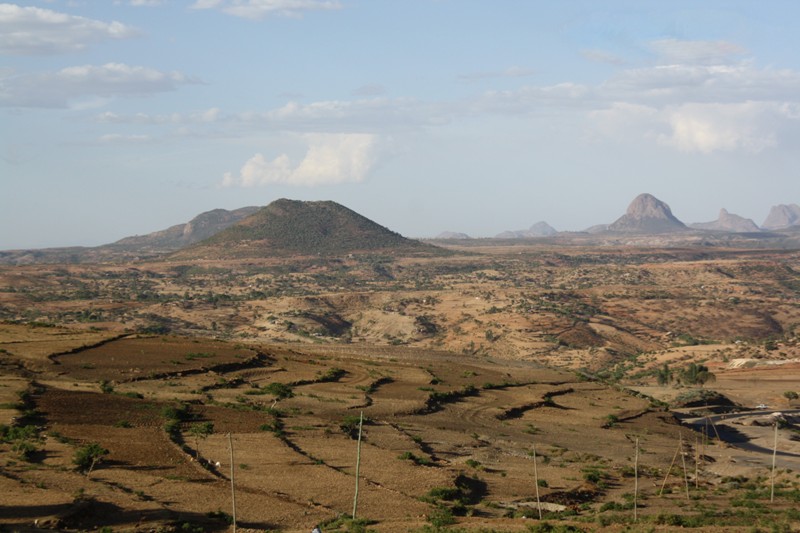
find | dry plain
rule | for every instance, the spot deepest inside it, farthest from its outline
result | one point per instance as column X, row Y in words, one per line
column 461, row 365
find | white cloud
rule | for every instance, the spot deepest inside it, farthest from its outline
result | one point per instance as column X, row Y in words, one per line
column 258, row 9
column 330, row 159
column 707, row 128
column 677, row 51
column 510, row 72
column 59, row 89
column 37, row 31
column 700, row 97
column 372, row 89
column 533, row 98
column 697, row 127
column 119, row 138
column 672, row 84
column 207, row 116
column 601, row 56
column 371, row 114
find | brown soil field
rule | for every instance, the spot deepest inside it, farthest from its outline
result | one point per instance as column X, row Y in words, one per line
column 462, row 366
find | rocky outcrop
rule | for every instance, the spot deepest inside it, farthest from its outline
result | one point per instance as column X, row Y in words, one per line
column 728, row 222
column 199, row 228
column 647, row 214
column 452, row 235
column 540, row 229
column 782, row 216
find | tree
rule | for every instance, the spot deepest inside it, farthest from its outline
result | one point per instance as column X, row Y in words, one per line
column 88, row 456
column 664, row 375
column 200, row 431
column 695, row 374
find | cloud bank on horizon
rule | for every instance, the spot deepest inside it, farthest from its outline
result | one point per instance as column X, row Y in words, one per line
column 418, row 114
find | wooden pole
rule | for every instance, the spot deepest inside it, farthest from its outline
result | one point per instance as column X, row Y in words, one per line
column 696, row 464
column 233, row 490
column 714, row 427
column 774, row 453
column 636, row 481
column 358, row 464
column 685, row 473
column 703, row 448
column 536, row 480
column 674, row 457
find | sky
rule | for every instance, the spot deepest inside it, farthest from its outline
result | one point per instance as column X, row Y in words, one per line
column 123, row 117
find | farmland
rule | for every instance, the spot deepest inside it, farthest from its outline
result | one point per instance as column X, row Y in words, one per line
column 462, row 365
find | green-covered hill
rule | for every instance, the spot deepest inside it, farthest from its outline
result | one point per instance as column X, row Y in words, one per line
column 292, row 227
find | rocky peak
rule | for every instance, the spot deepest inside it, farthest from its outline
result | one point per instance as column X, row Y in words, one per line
column 647, row 214
column 729, row 222
column 782, row 216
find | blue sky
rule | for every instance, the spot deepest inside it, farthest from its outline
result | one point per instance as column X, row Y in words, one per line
column 124, row 117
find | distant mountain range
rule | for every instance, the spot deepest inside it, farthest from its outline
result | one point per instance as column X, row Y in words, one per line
column 647, row 215
column 295, row 228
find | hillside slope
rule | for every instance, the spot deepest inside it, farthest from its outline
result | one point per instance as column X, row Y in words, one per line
column 292, row 227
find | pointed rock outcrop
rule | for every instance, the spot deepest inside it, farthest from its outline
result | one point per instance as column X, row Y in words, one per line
column 452, row 235
column 728, row 222
column 782, row 216
column 540, row 229
column 647, row 214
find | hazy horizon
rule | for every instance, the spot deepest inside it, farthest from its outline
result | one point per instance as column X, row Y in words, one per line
column 127, row 117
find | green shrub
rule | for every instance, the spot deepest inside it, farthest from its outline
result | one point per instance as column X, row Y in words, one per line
column 441, row 517
column 279, row 390
column 349, row 425
column 88, row 456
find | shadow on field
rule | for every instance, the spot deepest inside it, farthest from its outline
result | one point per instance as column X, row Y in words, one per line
column 91, row 514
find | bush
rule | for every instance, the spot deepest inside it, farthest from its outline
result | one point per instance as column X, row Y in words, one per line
column 279, row 390
column 88, row 456
column 23, row 439
column 441, row 517
column 332, row 374
column 349, row 425
column 176, row 413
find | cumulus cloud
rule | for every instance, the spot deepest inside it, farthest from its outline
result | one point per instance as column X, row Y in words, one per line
column 259, row 9
column 699, row 96
column 698, row 127
column 37, row 31
column 706, row 128
column 330, row 159
column 59, row 89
